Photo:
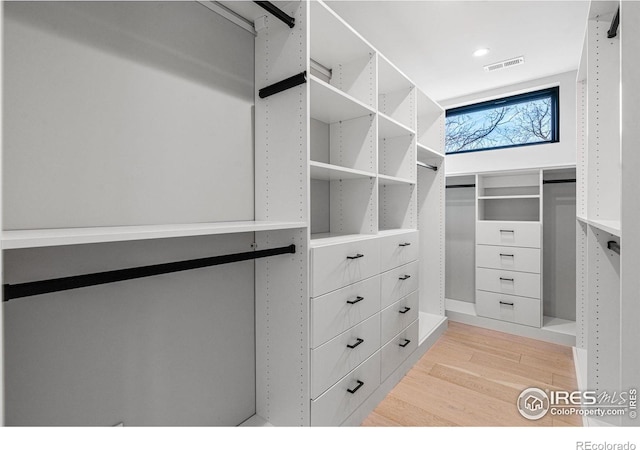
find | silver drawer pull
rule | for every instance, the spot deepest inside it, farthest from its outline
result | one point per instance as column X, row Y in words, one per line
column 406, row 244
column 507, row 255
column 405, row 310
column 359, row 255
column 506, row 303
column 406, row 342
column 358, row 342
column 353, row 391
column 506, row 279
column 507, row 231
column 404, row 277
column 353, row 302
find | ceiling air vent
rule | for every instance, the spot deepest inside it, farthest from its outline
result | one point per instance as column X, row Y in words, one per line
column 504, row 64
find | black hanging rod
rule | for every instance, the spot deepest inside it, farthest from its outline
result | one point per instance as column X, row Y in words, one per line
column 568, row 180
column 12, row 291
column 613, row 30
column 283, row 85
column 460, row 186
column 277, row 12
column 613, row 245
column 427, row 166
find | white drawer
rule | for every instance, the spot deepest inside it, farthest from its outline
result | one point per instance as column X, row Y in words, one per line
column 397, row 350
column 332, row 360
column 338, row 265
column 398, row 316
column 520, row 259
column 333, row 313
column 335, row 405
column 398, row 249
column 398, row 283
column 522, row 310
column 511, row 234
column 508, row 282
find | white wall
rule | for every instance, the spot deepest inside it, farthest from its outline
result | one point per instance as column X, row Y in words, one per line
column 125, row 113
column 557, row 154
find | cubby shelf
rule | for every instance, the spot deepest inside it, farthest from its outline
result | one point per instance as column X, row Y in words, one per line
column 329, row 172
column 610, row 226
column 506, row 197
column 389, row 128
column 387, row 180
column 425, row 151
column 331, row 105
column 320, row 239
column 93, row 235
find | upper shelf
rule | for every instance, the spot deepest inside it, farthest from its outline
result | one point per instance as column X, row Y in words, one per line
column 390, row 128
column 386, row 180
column 328, row 172
column 330, row 105
column 93, row 235
column 425, row 151
column 609, row 226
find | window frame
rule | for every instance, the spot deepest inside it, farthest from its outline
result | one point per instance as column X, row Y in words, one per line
column 553, row 92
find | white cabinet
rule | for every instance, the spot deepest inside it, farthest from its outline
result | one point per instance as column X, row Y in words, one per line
column 508, row 244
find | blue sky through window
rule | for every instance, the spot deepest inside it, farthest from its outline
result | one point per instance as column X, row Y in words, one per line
column 514, row 121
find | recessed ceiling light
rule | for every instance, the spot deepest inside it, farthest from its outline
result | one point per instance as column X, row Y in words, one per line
column 481, row 52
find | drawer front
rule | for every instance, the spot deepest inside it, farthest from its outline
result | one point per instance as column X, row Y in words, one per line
column 510, row 308
column 398, row 249
column 398, row 283
column 508, row 282
column 511, row 234
column 334, row 359
column 333, row 313
column 335, row 405
column 398, row 316
column 338, row 265
column 397, row 350
column 520, row 259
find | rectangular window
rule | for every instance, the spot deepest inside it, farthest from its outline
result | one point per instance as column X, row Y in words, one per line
column 525, row 119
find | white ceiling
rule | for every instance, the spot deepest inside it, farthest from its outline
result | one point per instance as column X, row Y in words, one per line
column 433, row 41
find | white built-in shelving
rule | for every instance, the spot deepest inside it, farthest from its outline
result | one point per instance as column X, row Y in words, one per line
column 15, row 239
column 607, row 192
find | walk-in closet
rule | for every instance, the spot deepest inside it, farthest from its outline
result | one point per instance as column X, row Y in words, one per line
column 319, row 213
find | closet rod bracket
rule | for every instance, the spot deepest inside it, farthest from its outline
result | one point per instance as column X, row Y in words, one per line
column 283, row 85
column 277, row 13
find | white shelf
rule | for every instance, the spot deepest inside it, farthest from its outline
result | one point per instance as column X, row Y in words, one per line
column 582, row 219
column 559, row 325
column 394, row 231
column 390, row 128
column 506, row 197
column 610, row 226
column 321, row 239
column 93, row 235
column 423, row 150
column 386, row 180
column 331, row 105
column 329, row 172
column 390, row 78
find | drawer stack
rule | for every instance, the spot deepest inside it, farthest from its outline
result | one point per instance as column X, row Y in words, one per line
column 364, row 311
column 508, row 272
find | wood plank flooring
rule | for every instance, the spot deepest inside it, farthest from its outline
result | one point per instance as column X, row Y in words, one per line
column 472, row 377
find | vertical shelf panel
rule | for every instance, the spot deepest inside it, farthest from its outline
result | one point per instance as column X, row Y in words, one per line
column 629, row 330
column 603, row 121
column 282, row 185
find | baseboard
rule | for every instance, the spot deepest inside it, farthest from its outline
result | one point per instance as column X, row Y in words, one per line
column 464, row 312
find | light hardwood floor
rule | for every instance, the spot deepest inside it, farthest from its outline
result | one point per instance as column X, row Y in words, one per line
column 472, row 377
